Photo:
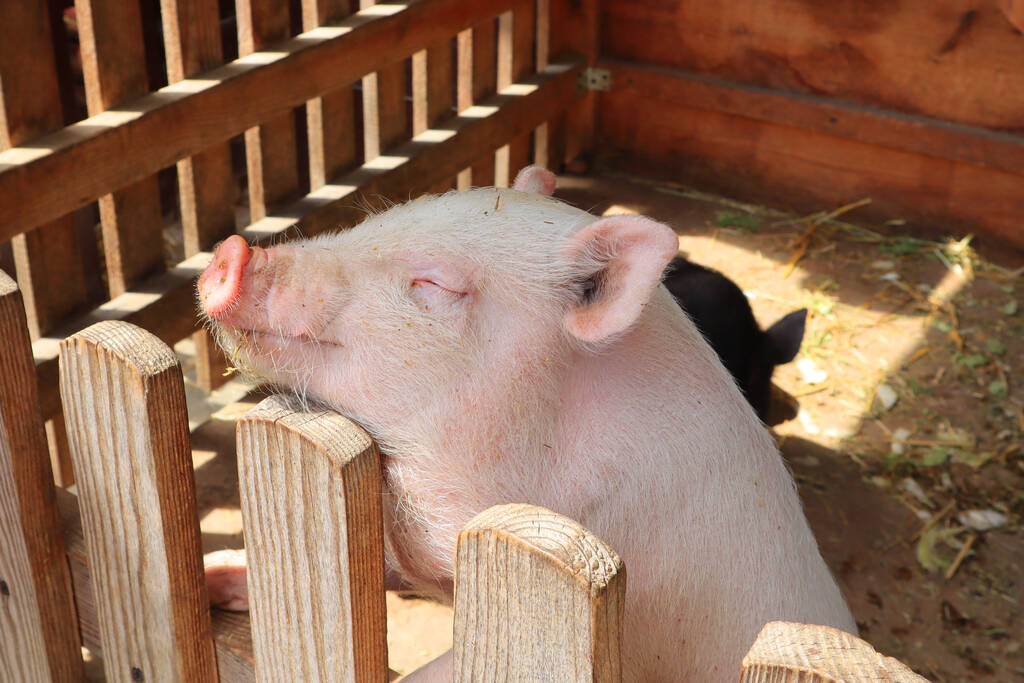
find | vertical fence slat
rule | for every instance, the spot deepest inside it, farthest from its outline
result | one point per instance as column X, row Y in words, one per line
column 311, row 505
column 51, row 253
column 125, row 408
column 537, row 597
column 330, row 119
column 206, row 186
column 464, row 90
column 114, row 66
column 385, row 119
column 38, row 625
column 485, row 82
column 433, row 74
column 800, row 653
column 524, row 26
column 506, row 43
column 542, row 135
column 270, row 148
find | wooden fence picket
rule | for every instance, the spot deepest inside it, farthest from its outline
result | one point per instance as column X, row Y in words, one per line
column 537, row 597
column 787, row 652
column 311, row 505
column 38, row 625
column 128, row 428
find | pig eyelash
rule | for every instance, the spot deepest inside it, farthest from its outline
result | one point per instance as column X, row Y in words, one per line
column 420, row 282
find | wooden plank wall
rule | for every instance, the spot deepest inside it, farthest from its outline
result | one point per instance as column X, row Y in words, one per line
column 918, row 105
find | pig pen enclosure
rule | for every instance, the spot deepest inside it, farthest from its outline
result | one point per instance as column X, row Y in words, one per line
column 136, row 135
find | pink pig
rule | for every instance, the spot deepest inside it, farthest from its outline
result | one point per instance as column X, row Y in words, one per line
column 502, row 346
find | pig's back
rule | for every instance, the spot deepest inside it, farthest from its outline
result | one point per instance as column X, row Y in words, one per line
column 697, row 500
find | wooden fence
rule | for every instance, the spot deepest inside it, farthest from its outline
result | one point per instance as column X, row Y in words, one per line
column 133, row 137
column 332, row 110
column 538, row 597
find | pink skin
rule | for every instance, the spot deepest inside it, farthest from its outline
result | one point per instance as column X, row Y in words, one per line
column 503, row 347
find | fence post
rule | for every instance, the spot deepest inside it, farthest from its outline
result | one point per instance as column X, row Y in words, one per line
column 38, row 626
column 537, row 597
column 124, row 404
column 800, row 653
column 311, row 488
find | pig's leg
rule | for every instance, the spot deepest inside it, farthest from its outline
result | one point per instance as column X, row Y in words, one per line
column 228, row 587
column 226, row 581
column 437, row 670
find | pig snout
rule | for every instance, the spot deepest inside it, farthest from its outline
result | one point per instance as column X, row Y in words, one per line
column 221, row 282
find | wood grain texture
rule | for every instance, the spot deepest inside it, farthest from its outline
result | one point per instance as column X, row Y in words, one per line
column 946, row 59
column 114, row 67
column 889, row 129
column 433, row 74
column 330, row 119
column 651, row 123
column 576, row 29
column 384, row 111
column 524, row 26
column 311, row 504
column 124, row 404
column 38, row 626
column 183, row 119
column 786, row 652
column 30, row 106
column 484, row 83
column 206, row 184
column 270, row 148
column 542, row 46
column 422, row 163
column 537, row 597
column 231, row 630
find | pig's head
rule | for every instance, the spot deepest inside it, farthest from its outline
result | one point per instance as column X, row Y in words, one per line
column 438, row 301
column 444, row 325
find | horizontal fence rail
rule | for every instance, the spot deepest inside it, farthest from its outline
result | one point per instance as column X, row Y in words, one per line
column 184, row 118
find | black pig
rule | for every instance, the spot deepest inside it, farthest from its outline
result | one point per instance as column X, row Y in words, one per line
column 723, row 315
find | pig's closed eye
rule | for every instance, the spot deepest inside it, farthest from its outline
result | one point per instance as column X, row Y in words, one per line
column 427, row 292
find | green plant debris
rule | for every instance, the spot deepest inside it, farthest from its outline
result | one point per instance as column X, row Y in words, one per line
column 935, row 457
column 951, row 436
column 821, row 340
column 970, row 360
column 972, row 459
column 998, row 388
column 918, row 388
column 942, row 326
column 827, row 284
column 903, row 245
column 822, row 305
column 737, row 219
column 1010, row 308
column 995, row 347
column 927, row 556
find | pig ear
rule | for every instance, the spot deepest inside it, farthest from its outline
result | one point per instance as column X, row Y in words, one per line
column 785, row 336
column 621, row 258
column 535, row 180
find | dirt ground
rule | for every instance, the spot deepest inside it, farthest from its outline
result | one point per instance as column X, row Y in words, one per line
column 913, row 344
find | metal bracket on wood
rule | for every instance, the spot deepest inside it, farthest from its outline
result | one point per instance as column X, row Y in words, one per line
column 594, row 78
